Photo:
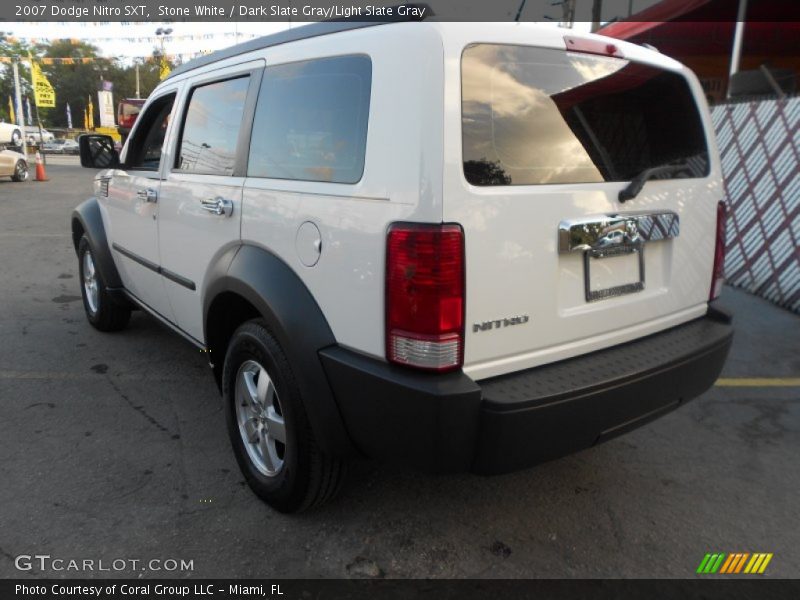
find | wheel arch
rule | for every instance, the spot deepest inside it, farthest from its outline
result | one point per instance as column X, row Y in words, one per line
column 250, row 282
column 87, row 220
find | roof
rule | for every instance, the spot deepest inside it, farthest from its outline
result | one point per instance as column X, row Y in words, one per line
column 311, row 30
column 283, row 37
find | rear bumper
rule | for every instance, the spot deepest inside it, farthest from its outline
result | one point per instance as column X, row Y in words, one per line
column 449, row 423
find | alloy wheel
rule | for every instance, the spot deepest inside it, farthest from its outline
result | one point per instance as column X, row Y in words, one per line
column 260, row 418
column 90, row 282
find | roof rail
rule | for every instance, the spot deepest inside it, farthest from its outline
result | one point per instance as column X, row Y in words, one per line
column 311, row 30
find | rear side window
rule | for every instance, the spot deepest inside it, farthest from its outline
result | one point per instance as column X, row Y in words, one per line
column 311, row 120
column 540, row 116
column 211, row 127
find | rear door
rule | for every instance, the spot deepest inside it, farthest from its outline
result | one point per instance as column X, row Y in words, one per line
column 557, row 265
column 201, row 198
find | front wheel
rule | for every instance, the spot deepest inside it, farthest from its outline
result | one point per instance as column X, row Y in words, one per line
column 101, row 310
column 268, row 426
column 20, row 171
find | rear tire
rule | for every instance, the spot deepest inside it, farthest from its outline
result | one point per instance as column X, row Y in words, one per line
column 101, row 310
column 269, row 428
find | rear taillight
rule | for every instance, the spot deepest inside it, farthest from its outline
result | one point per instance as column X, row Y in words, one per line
column 718, row 274
column 425, row 296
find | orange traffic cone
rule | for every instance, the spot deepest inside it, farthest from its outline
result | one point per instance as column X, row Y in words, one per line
column 40, row 174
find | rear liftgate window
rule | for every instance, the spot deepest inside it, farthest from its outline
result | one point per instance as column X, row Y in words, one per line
column 537, row 116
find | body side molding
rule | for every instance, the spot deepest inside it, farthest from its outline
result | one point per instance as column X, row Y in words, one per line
column 179, row 279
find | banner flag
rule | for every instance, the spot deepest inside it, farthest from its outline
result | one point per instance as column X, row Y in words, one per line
column 164, row 70
column 43, row 93
column 11, row 114
column 69, row 117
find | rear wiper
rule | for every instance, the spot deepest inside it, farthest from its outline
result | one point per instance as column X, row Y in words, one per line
column 637, row 183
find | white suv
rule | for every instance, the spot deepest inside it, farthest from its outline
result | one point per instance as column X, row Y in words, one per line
column 466, row 247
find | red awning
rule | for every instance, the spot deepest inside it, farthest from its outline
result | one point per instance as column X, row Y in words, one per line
column 654, row 16
column 682, row 28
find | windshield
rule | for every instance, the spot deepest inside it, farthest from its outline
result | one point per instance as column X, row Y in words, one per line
column 543, row 116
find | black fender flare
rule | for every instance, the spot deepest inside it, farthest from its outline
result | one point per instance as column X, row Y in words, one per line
column 86, row 218
column 295, row 319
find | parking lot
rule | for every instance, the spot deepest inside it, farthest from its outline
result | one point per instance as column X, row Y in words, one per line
column 114, row 446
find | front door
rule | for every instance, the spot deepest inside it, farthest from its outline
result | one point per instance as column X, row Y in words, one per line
column 133, row 209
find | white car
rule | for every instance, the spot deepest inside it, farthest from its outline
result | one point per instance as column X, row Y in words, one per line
column 33, row 136
column 391, row 240
column 10, row 134
column 60, row 146
column 14, row 165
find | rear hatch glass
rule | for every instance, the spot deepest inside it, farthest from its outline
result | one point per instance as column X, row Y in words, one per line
column 538, row 116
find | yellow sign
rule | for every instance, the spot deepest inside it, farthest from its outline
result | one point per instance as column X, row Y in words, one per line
column 164, row 70
column 43, row 93
column 111, row 131
column 90, row 114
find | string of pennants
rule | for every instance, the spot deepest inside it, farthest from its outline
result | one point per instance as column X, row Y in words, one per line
column 89, row 60
column 137, row 39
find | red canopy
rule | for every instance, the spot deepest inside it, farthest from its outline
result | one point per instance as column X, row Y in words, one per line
column 699, row 33
column 683, row 28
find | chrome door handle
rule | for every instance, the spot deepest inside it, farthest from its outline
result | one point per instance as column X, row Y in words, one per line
column 147, row 195
column 218, row 206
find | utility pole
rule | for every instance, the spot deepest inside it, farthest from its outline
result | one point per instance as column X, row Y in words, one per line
column 568, row 13
column 597, row 12
column 738, row 39
column 38, row 119
column 137, row 81
column 18, row 102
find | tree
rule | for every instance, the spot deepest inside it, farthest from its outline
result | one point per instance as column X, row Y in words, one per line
column 75, row 83
column 13, row 48
column 78, row 82
column 124, row 78
column 485, row 172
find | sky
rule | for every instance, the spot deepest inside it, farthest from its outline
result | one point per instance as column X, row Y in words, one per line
column 106, row 35
column 207, row 36
column 223, row 34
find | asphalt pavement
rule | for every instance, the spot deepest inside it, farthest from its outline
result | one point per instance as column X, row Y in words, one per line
column 113, row 446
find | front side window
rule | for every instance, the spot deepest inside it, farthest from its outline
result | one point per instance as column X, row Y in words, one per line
column 311, row 120
column 211, row 127
column 146, row 146
column 543, row 116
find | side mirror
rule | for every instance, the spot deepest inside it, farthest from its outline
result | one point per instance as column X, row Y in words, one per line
column 98, row 152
